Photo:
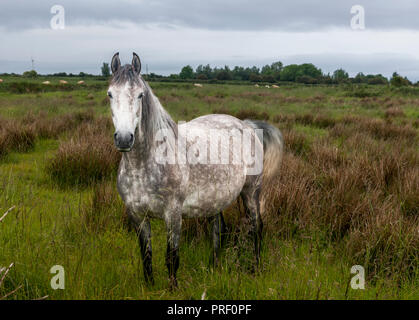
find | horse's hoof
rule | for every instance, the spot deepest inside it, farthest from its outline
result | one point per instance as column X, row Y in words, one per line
column 150, row 280
column 173, row 284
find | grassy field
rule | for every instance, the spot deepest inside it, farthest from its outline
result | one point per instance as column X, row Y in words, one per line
column 348, row 195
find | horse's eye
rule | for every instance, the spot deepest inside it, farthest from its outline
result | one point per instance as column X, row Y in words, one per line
column 141, row 95
column 109, row 94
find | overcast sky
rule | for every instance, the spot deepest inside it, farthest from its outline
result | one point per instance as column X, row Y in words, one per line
column 169, row 34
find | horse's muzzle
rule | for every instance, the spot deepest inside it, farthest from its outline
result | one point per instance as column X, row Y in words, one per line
column 124, row 141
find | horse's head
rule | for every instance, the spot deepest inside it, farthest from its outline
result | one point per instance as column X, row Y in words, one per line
column 126, row 91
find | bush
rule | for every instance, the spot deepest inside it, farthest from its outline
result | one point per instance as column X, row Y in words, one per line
column 30, row 74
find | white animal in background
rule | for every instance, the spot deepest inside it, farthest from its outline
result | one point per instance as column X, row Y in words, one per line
column 267, row 86
column 63, row 82
column 1, row 80
column 81, row 82
column 256, row 85
column 275, row 86
column 46, row 82
column 198, row 85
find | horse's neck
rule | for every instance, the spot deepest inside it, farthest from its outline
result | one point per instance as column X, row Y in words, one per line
column 142, row 154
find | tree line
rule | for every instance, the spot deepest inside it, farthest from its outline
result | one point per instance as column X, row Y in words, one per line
column 306, row 73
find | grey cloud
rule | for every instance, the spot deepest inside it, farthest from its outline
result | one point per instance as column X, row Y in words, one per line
column 286, row 15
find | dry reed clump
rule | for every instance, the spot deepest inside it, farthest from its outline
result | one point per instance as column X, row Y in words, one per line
column 15, row 136
column 88, row 156
column 385, row 242
column 48, row 128
column 363, row 196
column 320, row 121
column 222, row 110
column 251, row 114
column 295, row 142
column 376, row 128
column 103, row 209
column 21, row 134
column 394, row 112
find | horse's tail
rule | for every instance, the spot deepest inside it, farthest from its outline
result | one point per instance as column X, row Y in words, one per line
column 273, row 146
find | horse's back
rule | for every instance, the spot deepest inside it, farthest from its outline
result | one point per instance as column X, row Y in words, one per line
column 217, row 121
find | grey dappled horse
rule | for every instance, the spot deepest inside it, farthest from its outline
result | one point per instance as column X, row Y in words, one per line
column 164, row 173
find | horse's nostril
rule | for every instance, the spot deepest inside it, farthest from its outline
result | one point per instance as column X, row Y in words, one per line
column 123, row 139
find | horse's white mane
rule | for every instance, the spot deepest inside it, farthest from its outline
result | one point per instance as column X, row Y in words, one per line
column 155, row 118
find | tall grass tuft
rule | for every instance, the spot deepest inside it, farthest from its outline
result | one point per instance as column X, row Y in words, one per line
column 15, row 136
column 87, row 156
column 103, row 209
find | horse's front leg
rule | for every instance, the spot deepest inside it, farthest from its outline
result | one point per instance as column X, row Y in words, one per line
column 144, row 237
column 173, row 221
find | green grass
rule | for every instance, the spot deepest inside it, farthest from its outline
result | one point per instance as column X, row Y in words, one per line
column 46, row 228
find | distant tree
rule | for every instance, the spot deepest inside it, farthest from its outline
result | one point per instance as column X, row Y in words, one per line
column 266, row 70
column 398, row 81
column 340, row 75
column 293, row 71
column 202, row 76
column 276, row 67
column 272, row 71
column 268, row 78
column 203, row 72
column 207, row 71
column 30, row 74
column 359, row 78
column 309, row 69
column 186, row 73
column 255, row 70
column 224, row 74
column 254, row 77
column 289, row 73
column 376, row 79
column 60, row 74
column 326, row 79
column 106, row 72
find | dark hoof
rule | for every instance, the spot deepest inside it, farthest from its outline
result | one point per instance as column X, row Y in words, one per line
column 173, row 284
column 149, row 280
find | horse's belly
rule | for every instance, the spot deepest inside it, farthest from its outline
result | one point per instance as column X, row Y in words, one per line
column 210, row 197
column 139, row 199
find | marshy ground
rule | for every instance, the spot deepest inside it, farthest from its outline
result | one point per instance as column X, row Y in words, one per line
column 348, row 195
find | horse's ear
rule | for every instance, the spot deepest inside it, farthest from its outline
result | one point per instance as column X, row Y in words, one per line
column 115, row 63
column 136, row 62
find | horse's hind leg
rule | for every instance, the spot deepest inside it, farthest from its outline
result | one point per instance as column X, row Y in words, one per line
column 174, row 226
column 252, row 209
column 218, row 232
column 144, row 237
